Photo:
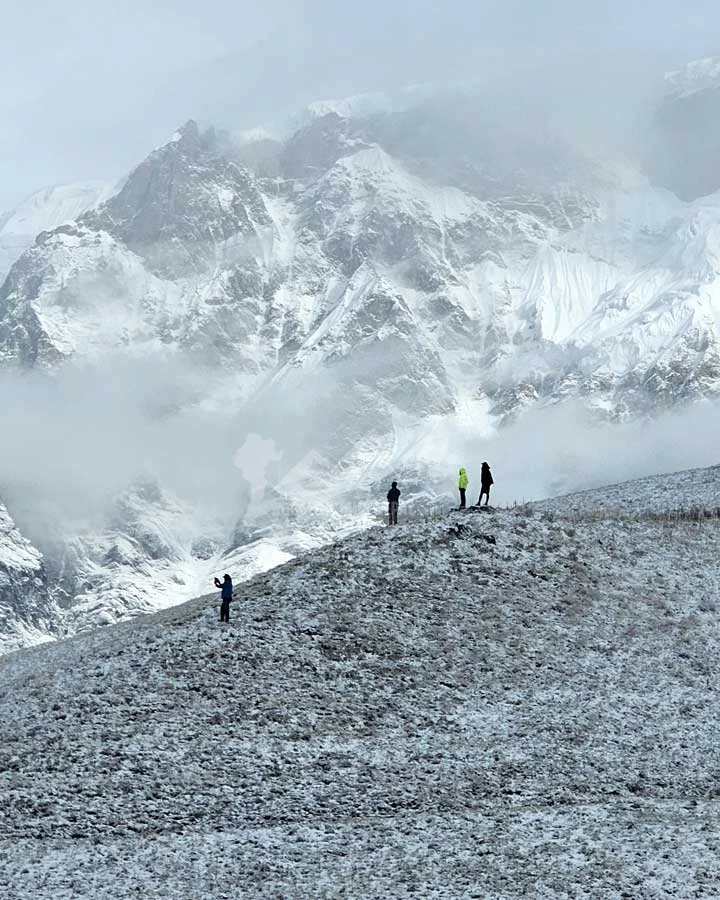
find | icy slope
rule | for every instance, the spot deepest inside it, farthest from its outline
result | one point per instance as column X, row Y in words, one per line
column 43, row 211
column 410, row 712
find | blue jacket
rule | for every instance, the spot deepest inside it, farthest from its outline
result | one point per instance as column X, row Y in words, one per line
column 227, row 590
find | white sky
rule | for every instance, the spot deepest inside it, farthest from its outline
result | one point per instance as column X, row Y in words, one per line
column 87, row 88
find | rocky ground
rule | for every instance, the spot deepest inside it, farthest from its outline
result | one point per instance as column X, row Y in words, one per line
column 507, row 704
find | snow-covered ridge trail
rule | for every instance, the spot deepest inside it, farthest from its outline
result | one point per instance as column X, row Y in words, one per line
column 674, row 492
column 409, row 712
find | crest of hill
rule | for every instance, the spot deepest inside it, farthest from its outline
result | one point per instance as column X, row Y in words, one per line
column 688, row 491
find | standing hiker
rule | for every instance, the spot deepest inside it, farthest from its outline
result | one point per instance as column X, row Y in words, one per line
column 226, row 596
column 393, row 496
column 486, row 480
column 462, row 487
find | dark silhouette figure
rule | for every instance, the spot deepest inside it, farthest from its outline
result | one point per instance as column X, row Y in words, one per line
column 486, row 481
column 393, row 496
column 462, row 487
column 226, row 595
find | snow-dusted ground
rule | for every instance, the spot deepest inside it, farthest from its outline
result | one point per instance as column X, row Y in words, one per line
column 683, row 491
column 409, row 712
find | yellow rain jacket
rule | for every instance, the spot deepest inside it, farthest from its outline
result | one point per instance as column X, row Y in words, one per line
column 463, row 481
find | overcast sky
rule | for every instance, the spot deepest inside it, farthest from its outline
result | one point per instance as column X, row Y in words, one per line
column 88, row 88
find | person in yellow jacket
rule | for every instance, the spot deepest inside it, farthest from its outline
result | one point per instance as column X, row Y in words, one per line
column 462, row 487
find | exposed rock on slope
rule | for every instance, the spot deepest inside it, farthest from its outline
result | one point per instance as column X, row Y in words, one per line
column 27, row 615
column 44, row 211
column 182, row 201
column 587, row 282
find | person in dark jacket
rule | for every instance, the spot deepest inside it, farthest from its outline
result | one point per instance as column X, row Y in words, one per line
column 393, row 496
column 226, row 594
column 486, row 480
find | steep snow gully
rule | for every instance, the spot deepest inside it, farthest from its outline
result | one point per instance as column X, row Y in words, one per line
column 509, row 704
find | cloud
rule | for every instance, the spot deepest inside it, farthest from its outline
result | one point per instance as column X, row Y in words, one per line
column 87, row 89
column 74, row 438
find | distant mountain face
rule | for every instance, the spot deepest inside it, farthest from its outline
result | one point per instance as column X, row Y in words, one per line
column 44, row 211
column 368, row 284
column 516, row 278
column 27, row 613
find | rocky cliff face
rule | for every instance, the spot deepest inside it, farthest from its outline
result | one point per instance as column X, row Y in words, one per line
column 27, row 614
column 179, row 204
column 349, row 246
column 44, row 211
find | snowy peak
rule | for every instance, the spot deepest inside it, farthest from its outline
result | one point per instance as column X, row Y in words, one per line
column 53, row 206
column 696, row 76
column 44, row 211
column 313, row 149
column 27, row 616
column 375, row 103
column 182, row 201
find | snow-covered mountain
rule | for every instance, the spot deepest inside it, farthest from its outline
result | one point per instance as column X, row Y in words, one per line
column 27, row 614
column 362, row 296
column 507, row 705
column 44, row 211
column 530, row 289
column 698, row 75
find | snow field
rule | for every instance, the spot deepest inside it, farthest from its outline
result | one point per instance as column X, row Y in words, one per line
column 409, row 712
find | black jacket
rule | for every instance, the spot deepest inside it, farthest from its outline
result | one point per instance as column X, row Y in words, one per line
column 393, row 495
column 486, row 478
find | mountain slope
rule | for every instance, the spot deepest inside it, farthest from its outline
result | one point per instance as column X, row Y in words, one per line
column 27, row 614
column 373, row 295
column 195, row 254
column 410, row 710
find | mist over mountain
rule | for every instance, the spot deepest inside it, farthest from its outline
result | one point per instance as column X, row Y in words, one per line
column 682, row 150
column 223, row 360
